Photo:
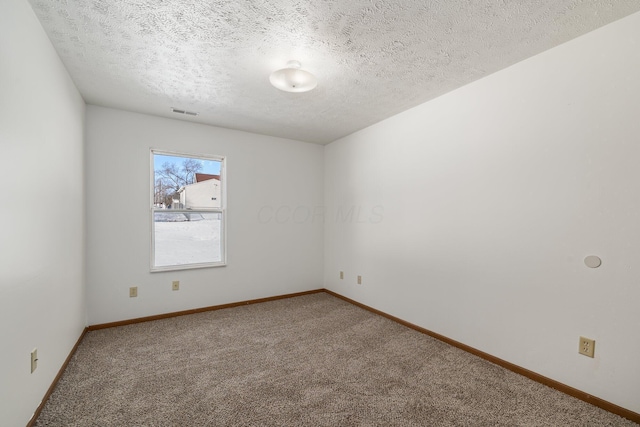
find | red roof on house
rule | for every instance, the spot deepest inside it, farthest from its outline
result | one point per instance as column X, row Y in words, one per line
column 205, row 177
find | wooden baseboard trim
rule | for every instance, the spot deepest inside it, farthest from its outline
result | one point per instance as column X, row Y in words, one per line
column 53, row 385
column 586, row 397
column 198, row 310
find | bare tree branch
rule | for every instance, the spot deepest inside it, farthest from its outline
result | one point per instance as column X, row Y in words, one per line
column 170, row 178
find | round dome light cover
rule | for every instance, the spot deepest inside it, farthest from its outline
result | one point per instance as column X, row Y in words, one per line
column 293, row 79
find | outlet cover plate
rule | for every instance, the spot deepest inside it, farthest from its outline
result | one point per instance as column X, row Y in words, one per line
column 587, row 347
column 34, row 360
column 175, row 285
column 133, row 292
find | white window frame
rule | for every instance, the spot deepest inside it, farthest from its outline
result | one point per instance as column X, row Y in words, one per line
column 222, row 210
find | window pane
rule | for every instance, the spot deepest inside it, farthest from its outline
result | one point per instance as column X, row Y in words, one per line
column 187, row 238
column 182, row 182
column 193, row 185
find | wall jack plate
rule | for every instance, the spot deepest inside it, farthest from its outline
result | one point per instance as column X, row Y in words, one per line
column 34, row 360
column 587, row 347
column 175, row 285
column 359, row 280
column 133, row 292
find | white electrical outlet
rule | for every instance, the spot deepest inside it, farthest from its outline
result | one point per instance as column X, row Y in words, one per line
column 341, row 275
column 587, row 347
column 359, row 280
column 175, row 285
column 133, row 292
column 34, row 360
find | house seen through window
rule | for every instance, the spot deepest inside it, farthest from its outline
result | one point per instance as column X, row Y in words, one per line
column 187, row 210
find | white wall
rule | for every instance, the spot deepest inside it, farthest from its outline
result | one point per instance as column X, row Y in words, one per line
column 478, row 208
column 42, row 217
column 266, row 255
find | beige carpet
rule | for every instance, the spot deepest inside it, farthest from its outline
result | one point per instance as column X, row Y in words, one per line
column 313, row 360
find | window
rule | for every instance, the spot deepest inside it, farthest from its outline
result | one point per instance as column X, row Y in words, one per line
column 187, row 211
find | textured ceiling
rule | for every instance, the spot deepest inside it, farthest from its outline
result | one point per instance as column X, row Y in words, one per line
column 373, row 59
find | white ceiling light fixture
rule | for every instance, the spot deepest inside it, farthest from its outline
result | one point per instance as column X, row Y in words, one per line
column 293, row 79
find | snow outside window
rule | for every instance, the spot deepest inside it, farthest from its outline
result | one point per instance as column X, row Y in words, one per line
column 187, row 211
